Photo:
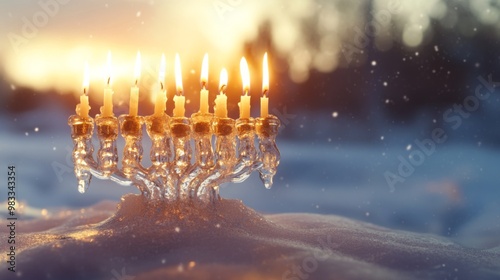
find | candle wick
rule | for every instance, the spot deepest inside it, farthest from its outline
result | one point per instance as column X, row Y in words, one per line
column 265, row 92
column 161, row 85
column 135, row 82
column 85, row 91
column 223, row 89
column 203, row 84
column 109, row 80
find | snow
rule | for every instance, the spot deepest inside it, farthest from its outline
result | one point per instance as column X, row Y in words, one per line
column 231, row 241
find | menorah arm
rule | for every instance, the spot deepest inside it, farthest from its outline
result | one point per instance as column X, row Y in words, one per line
column 243, row 170
column 202, row 131
column 138, row 177
column 247, row 154
column 192, row 178
column 267, row 129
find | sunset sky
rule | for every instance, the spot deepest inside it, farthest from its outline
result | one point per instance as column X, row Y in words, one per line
column 45, row 43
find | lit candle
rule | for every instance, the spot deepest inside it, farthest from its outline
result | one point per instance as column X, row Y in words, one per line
column 264, row 100
column 161, row 96
column 107, row 108
column 204, row 91
column 220, row 108
column 179, row 98
column 245, row 98
column 83, row 108
column 134, row 90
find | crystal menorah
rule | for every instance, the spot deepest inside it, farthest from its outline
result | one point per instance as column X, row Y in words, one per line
column 190, row 157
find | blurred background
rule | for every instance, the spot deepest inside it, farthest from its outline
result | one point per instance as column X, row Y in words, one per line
column 389, row 108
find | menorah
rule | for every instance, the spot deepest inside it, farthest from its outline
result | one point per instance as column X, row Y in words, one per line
column 190, row 157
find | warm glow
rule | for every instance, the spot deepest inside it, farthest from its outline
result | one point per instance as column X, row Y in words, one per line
column 153, row 95
column 223, row 80
column 265, row 76
column 137, row 69
column 109, row 70
column 204, row 71
column 178, row 74
column 162, row 71
column 245, row 75
column 86, row 79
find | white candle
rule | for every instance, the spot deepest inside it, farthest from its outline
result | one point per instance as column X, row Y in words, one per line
column 220, row 107
column 107, row 108
column 264, row 100
column 179, row 99
column 134, row 101
column 244, row 106
column 204, row 80
column 179, row 110
column 161, row 99
column 264, row 105
column 83, row 108
column 161, row 96
column 245, row 98
column 134, row 90
column 204, row 101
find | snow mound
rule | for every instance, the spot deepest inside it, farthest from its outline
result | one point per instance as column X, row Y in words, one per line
column 230, row 241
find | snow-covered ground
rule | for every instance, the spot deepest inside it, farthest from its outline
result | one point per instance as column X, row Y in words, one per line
column 231, row 241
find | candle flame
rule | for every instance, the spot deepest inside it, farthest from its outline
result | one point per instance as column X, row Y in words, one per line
column 178, row 74
column 204, row 71
column 245, row 75
column 137, row 69
column 223, row 80
column 86, row 79
column 109, row 70
column 265, row 76
column 161, row 72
